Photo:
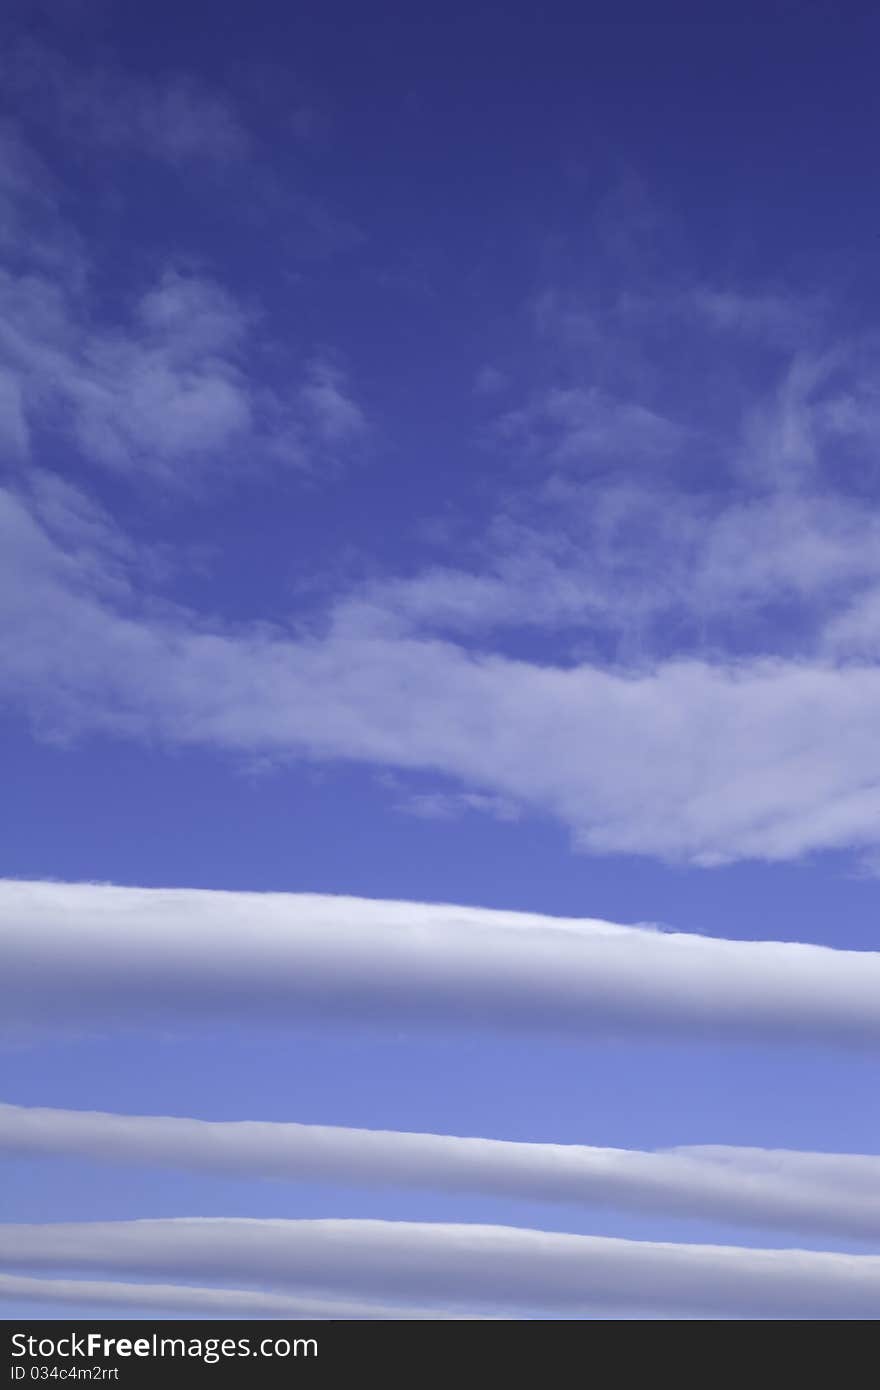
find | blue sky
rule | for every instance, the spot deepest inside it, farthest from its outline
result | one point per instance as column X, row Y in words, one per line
column 440, row 463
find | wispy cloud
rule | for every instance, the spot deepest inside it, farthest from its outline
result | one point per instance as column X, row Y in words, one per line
column 697, row 760
column 179, row 377
column 830, row 1193
column 480, row 1268
column 695, row 530
column 89, row 956
column 336, row 416
column 699, row 564
column 33, row 234
column 167, row 394
column 449, row 805
column 169, row 116
column 585, row 424
column 597, row 562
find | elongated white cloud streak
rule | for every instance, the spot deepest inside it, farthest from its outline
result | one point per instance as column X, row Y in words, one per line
column 487, row 1267
column 85, row 955
column 837, row 1193
column 182, row 1298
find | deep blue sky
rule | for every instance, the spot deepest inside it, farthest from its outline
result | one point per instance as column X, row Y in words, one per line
column 545, row 344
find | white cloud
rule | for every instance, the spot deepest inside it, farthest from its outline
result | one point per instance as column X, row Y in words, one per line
column 855, row 632
column 691, row 705
column 168, row 116
column 153, row 398
column 449, row 805
column 771, row 315
column 336, row 416
column 742, row 528
column 480, row 1268
column 32, row 233
column 610, row 557
column 173, row 118
column 180, row 380
column 837, row 1194
column 581, row 425
column 186, row 1300
column 90, row 956
column 167, row 394
column 489, row 381
column 698, row 464
column 693, row 760
column 14, row 432
column 177, row 395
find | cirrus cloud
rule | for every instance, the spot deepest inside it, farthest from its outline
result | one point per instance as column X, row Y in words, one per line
column 693, row 760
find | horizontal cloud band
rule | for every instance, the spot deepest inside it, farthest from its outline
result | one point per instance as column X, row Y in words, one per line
column 483, row 1267
column 88, row 955
column 207, row 1302
column 832, row 1193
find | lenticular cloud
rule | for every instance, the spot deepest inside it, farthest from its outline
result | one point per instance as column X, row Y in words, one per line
column 207, row 1302
column 90, row 956
column 484, row 1267
column 829, row 1193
